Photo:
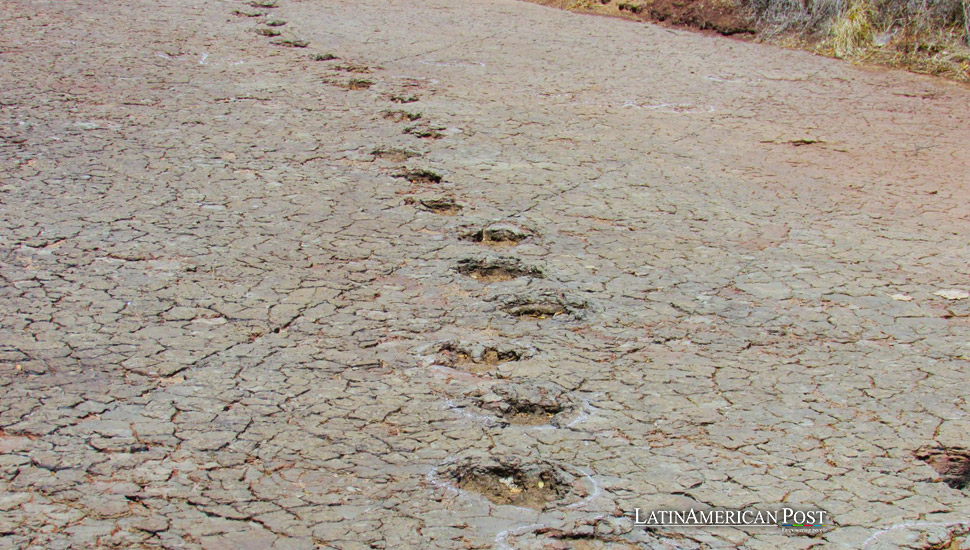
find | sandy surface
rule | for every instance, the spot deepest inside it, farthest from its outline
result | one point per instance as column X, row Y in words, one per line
column 659, row 270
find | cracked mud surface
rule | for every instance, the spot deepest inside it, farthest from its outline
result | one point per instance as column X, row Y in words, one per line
column 218, row 300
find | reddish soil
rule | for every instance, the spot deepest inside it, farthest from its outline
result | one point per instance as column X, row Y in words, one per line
column 722, row 18
column 718, row 16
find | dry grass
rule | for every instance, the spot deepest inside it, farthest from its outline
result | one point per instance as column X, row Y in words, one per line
column 966, row 18
column 852, row 31
column 925, row 36
column 942, row 53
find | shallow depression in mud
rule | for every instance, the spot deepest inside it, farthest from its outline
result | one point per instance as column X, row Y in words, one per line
column 478, row 358
column 492, row 270
column 498, row 234
column 953, row 464
column 393, row 154
column 539, row 307
column 439, row 205
column 420, row 176
column 527, row 402
column 531, row 414
column 512, row 481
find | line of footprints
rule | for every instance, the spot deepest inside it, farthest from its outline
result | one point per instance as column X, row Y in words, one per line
column 529, row 403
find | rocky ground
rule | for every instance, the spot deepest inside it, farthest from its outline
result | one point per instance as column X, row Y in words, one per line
column 479, row 274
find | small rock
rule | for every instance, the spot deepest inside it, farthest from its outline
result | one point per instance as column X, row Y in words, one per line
column 953, row 294
column 151, row 524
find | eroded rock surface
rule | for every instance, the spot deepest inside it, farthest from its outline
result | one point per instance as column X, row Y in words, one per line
column 214, row 284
